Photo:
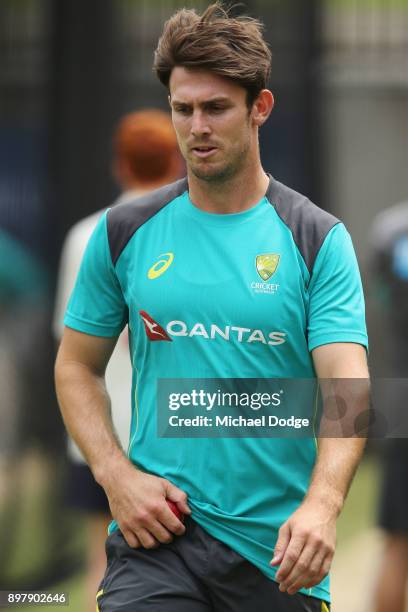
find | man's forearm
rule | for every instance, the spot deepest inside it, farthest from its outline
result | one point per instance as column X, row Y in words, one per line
column 346, row 403
column 307, row 540
column 338, row 459
column 85, row 408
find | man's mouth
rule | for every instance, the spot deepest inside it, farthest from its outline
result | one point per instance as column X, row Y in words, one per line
column 204, row 151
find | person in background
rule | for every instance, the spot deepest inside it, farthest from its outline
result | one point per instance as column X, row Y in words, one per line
column 145, row 156
column 389, row 262
column 24, row 289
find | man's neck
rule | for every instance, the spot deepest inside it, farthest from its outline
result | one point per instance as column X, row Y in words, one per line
column 236, row 194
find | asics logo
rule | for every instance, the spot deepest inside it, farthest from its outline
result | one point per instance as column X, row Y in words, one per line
column 165, row 261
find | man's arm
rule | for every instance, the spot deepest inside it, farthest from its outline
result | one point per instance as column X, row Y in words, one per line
column 136, row 499
column 306, row 541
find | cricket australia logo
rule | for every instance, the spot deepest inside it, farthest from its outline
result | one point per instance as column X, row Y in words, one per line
column 266, row 265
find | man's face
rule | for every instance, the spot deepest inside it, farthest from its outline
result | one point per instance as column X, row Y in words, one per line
column 212, row 122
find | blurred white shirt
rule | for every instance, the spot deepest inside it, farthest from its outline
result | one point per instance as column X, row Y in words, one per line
column 119, row 371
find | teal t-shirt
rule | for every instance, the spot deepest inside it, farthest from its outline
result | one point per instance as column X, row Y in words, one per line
column 243, row 295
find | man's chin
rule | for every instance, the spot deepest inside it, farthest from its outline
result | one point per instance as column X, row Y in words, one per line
column 211, row 174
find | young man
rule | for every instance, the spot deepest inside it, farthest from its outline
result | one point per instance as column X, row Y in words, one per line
column 187, row 269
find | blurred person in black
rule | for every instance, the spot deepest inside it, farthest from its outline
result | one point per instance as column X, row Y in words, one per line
column 389, row 238
column 145, row 157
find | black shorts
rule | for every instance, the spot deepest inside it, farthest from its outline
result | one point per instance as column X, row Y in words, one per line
column 393, row 510
column 194, row 573
column 82, row 492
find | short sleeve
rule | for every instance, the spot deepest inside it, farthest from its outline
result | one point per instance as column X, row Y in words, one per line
column 97, row 305
column 336, row 299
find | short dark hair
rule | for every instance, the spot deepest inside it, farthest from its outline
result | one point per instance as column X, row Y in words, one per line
column 231, row 47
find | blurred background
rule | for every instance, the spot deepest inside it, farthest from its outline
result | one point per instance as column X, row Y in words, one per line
column 68, row 70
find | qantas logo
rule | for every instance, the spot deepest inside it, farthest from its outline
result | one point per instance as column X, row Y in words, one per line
column 156, row 332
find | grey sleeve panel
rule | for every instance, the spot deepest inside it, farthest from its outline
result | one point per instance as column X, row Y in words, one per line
column 308, row 223
column 125, row 219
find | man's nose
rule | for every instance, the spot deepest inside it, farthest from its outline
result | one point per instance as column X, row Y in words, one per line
column 199, row 124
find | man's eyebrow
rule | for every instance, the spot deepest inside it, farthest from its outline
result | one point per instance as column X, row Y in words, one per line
column 215, row 100
column 178, row 102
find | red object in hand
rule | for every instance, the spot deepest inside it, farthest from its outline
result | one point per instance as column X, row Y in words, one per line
column 174, row 508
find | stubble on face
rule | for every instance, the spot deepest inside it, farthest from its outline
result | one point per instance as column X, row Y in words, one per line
column 221, row 172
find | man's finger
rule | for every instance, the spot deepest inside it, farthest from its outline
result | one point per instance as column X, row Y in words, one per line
column 290, row 558
column 302, row 568
column 319, row 572
column 310, row 575
column 132, row 540
column 178, row 496
column 146, row 539
column 170, row 520
column 281, row 544
column 160, row 533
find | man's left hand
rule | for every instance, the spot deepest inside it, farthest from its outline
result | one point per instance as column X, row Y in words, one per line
column 305, row 547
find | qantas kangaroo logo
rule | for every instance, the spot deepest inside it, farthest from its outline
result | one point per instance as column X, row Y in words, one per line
column 154, row 331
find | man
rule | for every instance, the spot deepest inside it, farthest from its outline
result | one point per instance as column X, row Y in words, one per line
column 145, row 157
column 180, row 268
column 389, row 255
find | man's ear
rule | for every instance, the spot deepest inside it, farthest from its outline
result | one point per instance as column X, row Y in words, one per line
column 262, row 107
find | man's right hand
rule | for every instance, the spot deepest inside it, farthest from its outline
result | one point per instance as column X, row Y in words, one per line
column 138, row 504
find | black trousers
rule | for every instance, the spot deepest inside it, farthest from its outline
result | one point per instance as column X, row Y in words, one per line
column 194, row 573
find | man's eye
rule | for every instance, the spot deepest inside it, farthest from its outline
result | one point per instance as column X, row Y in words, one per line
column 183, row 110
column 217, row 109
